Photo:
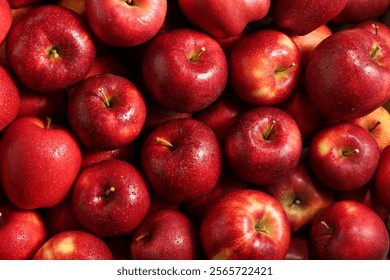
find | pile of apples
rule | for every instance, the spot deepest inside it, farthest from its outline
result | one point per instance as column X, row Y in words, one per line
column 155, row 129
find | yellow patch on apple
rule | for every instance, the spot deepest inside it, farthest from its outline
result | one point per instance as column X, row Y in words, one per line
column 66, row 246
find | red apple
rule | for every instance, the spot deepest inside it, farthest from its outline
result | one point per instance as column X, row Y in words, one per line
column 165, row 235
column 228, row 21
column 382, row 178
column 181, row 160
column 304, row 16
column 5, row 19
column 343, row 71
column 74, row 245
column 349, row 230
column 55, row 53
column 39, row 163
column 9, row 95
column 245, row 224
column 106, row 112
column 125, row 23
column 378, row 124
column 265, row 67
column 299, row 249
column 361, row 10
column 198, row 70
column 344, row 156
column 22, row 232
column 301, row 196
column 110, row 198
column 263, row 145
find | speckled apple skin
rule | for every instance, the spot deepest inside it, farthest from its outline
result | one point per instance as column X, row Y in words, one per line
column 38, row 165
column 9, row 95
column 5, row 19
column 255, row 159
column 122, row 210
column 188, row 86
column 120, row 24
column 22, row 232
column 50, row 26
column 189, row 171
column 106, row 128
column 74, row 245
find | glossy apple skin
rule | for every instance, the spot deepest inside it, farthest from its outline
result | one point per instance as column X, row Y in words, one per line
column 110, row 213
column 382, row 178
column 357, row 11
column 106, row 126
column 9, row 94
column 74, row 245
column 304, row 16
column 226, row 22
column 189, row 169
column 22, row 232
column 260, row 65
column 194, row 81
column 301, row 196
column 5, row 19
column 351, row 231
column 125, row 25
column 245, row 224
column 343, row 85
column 57, row 29
column 257, row 159
column 165, row 235
column 331, row 162
column 38, row 164
column 378, row 124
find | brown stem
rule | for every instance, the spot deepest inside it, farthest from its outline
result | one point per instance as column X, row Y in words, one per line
column 375, row 126
column 129, row 2
column 268, row 131
column 142, row 236
column 166, row 143
column 278, row 70
column 326, row 225
column 350, row 153
column 376, row 28
column 48, row 122
column 195, row 57
column 108, row 192
column 105, row 99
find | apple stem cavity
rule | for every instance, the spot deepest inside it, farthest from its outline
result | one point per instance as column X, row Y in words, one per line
column 297, row 201
column 375, row 52
column 105, row 99
column 196, row 56
column 260, row 228
column 279, row 70
column 350, row 153
column 267, row 133
column 375, row 126
column 108, row 192
column 166, row 143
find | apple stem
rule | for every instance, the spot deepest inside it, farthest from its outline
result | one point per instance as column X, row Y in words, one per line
column 278, row 70
column 326, row 225
column 375, row 52
column 48, row 122
column 297, row 201
column 129, row 2
column 1, row 219
column 166, row 143
column 376, row 28
column 142, row 236
column 268, row 131
column 198, row 54
column 377, row 123
column 105, row 99
column 108, row 192
column 350, row 153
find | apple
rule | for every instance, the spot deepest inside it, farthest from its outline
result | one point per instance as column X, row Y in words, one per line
column 349, row 230
column 301, row 196
column 265, row 67
column 22, row 232
column 263, row 145
column 125, row 23
column 245, row 224
column 226, row 22
column 378, row 124
column 382, row 176
column 343, row 71
column 9, row 95
column 165, row 235
column 299, row 249
column 304, row 16
column 74, row 245
column 181, row 160
column 106, row 112
column 55, row 54
column 344, row 156
column 39, row 162
column 5, row 19
column 357, row 11
column 198, row 70
column 110, row 198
